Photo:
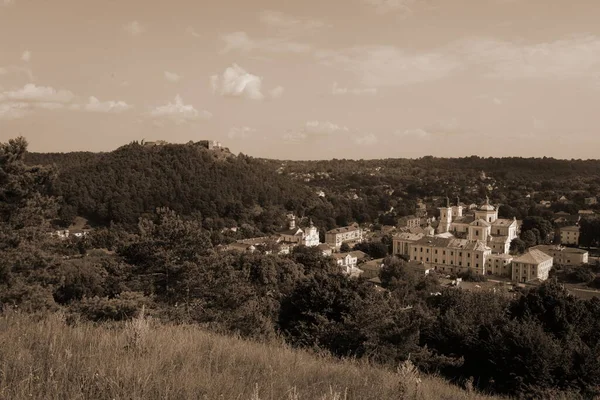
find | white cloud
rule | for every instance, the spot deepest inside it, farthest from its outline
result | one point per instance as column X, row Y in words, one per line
column 14, row 110
column 573, row 57
column 386, row 6
column 276, row 92
column 340, row 91
column 43, row 94
column 95, row 105
column 172, row 76
column 179, row 112
column 366, row 140
column 240, row 41
column 378, row 66
column 414, row 133
column 240, row 132
column 236, row 82
column 26, row 56
column 294, row 136
column 288, row 24
column 190, row 30
column 323, row 128
column 134, row 28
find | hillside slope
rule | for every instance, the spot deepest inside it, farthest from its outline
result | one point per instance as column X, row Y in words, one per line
column 50, row 359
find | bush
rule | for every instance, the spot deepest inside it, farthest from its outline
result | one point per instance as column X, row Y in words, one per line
column 581, row 275
column 123, row 307
column 470, row 276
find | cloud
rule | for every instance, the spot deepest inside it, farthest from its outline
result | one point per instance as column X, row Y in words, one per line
column 366, row 140
column 294, row 136
column 386, row 6
column 190, row 30
column 378, row 66
column 339, row 91
column 276, row 92
column 323, row 128
column 95, row 105
column 179, row 112
column 573, row 57
column 26, row 56
column 134, row 28
column 7, row 2
column 414, row 133
column 21, row 102
column 42, row 94
column 240, row 41
column 240, row 132
column 172, row 76
column 3, row 71
column 289, row 24
column 236, row 82
column 14, row 110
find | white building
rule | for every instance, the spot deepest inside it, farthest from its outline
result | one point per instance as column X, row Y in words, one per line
column 534, row 264
column 346, row 234
column 297, row 236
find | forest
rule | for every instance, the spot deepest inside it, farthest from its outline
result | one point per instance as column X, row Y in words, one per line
column 153, row 246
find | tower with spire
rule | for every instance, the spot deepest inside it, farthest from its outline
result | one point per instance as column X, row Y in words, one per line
column 457, row 210
column 445, row 217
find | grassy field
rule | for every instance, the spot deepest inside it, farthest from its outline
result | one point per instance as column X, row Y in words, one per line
column 46, row 358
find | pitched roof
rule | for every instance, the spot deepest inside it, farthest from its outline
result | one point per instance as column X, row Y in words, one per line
column 533, row 256
column 555, row 249
column 344, row 229
column 570, row 229
column 291, row 232
column 408, row 236
column 480, row 222
column 503, row 222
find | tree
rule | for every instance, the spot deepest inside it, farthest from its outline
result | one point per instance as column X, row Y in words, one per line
column 344, row 248
column 517, row 246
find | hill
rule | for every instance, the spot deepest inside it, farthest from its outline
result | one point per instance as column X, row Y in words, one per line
column 50, row 358
column 122, row 185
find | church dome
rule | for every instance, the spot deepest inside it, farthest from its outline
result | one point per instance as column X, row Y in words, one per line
column 486, row 206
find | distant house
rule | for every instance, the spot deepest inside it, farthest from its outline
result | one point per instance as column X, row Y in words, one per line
column 210, row 144
column 586, row 213
column 59, row 233
column 590, row 201
column 411, row 221
column 565, row 255
column 533, row 265
column 326, row 250
column 418, row 267
column 545, row 203
column 347, row 261
column 347, row 234
column 569, row 235
column 371, row 268
column 79, row 233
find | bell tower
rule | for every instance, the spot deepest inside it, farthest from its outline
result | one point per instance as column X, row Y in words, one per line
column 445, row 217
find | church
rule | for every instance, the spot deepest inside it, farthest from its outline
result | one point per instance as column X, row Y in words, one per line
column 478, row 240
column 295, row 235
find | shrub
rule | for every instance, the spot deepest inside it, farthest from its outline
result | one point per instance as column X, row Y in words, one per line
column 123, row 307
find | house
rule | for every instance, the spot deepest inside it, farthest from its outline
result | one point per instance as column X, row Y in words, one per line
column 210, row 144
column 348, row 262
column 347, row 234
column 590, row 201
column 569, row 235
column 371, row 268
column 241, row 247
column 59, row 233
column 326, row 250
column 533, row 265
column 586, row 213
column 411, row 221
column 418, row 267
column 545, row 203
column 79, row 233
column 565, row 255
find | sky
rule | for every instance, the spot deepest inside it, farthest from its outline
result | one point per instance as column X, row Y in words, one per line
column 305, row 79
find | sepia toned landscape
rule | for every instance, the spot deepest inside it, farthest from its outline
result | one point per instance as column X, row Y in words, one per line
column 338, row 200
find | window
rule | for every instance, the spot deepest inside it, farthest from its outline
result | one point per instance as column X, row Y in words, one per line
column 468, row 264
column 444, row 252
column 435, row 251
column 427, row 259
column 421, row 249
column 427, row 250
column 460, row 254
column 436, row 260
column 476, row 255
column 477, row 265
column 460, row 263
column 476, row 233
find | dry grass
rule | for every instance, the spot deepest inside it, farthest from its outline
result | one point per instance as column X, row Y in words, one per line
column 45, row 358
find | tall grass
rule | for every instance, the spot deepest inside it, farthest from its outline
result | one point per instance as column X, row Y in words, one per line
column 46, row 358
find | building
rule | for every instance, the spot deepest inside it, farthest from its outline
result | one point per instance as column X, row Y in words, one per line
column 349, row 261
column 586, row 213
column 532, row 265
column 565, row 255
column 409, row 222
column 590, row 201
column 348, row 234
column 326, row 250
column 372, row 268
column 210, row 144
column 482, row 247
column 297, row 236
column 569, row 235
